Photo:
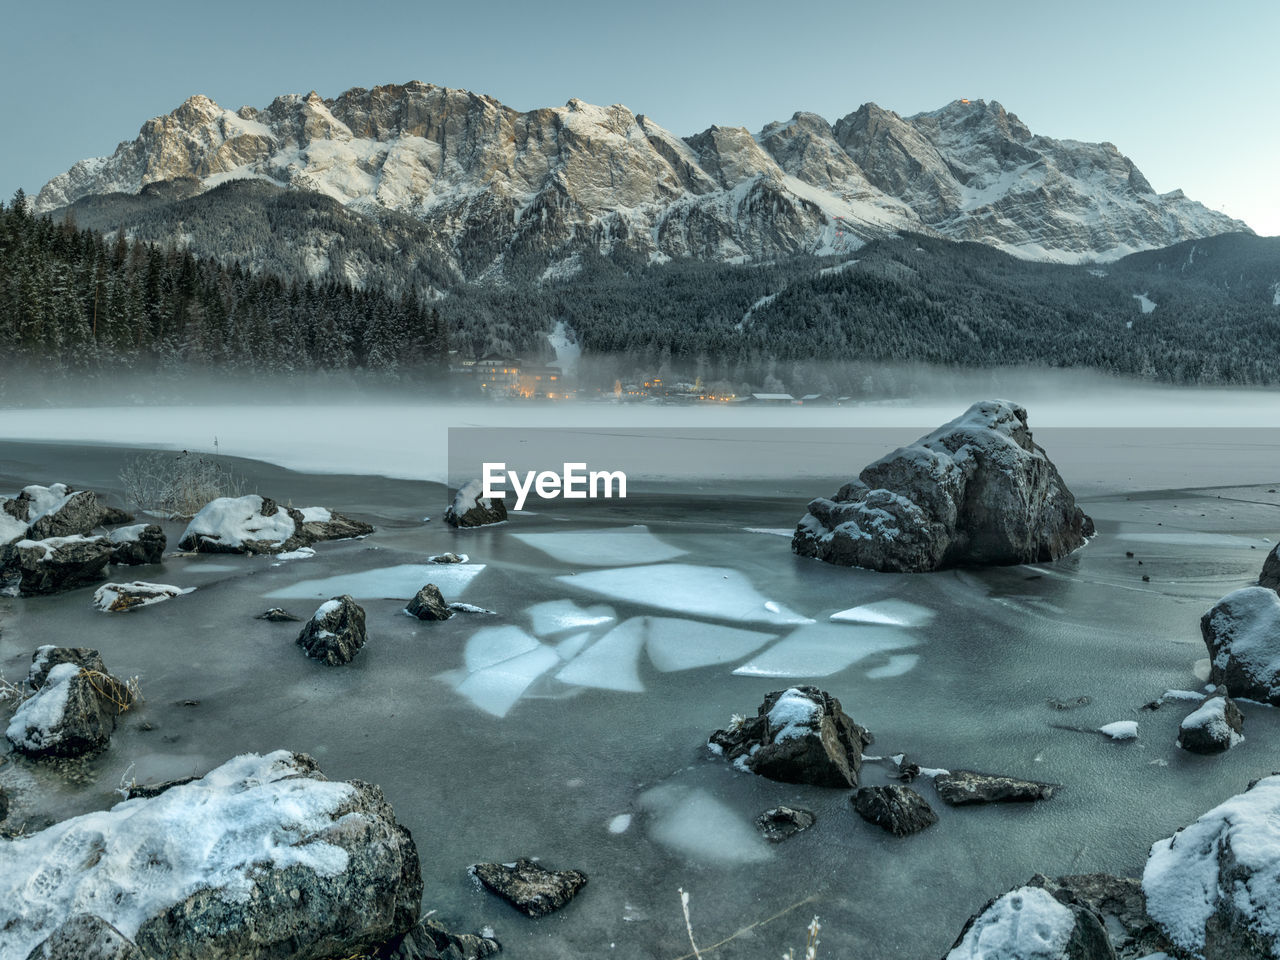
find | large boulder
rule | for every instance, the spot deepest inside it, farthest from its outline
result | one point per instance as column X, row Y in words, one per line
column 137, row 544
column 798, row 735
column 54, row 565
column 86, row 937
column 1242, row 633
column 71, row 715
column 71, row 514
column 1271, row 570
column 1215, row 726
column 335, row 633
column 470, row 509
column 254, row 524
column 1212, row 887
column 1029, row 923
column 261, row 859
column 976, row 491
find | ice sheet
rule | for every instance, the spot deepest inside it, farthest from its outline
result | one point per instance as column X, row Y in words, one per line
column 692, row 822
column 492, row 645
column 821, row 649
column 561, row 616
column 676, row 644
column 611, row 662
column 898, row 664
column 603, row 548
column 498, row 688
column 894, row 613
column 398, row 582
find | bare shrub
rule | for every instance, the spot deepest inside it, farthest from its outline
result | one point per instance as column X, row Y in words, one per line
column 177, row 485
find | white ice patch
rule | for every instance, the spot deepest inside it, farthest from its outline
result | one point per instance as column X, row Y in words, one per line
column 1027, row 923
column 603, row 548
column 620, row 824
column 11, row 529
column 693, row 823
column 496, row 689
column 385, row 583
column 718, row 592
column 493, row 645
column 302, row 553
column 822, row 649
column 893, row 613
column 1121, row 730
column 899, row 664
column 560, row 616
column 675, row 644
column 1147, row 304
column 611, row 662
column 570, row 647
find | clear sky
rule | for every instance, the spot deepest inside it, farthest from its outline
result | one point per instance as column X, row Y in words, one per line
column 1188, row 90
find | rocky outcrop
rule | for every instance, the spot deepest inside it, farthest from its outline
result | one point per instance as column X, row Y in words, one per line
column 530, row 888
column 137, row 544
column 55, row 565
column 470, row 509
column 977, row 491
column 123, row 597
column 429, row 604
column 261, row 859
column 430, row 940
column 898, row 810
column 86, row 937
column 963, row 787
column 1119, row 903
column 799, row 735
column 1029, row 923
column 1270, row 576
column 1242, row 634
column 780, row 823
column 76, row 514
column 335, row 633
column 1216, row 726
column 254, row 524
column 1211, row 888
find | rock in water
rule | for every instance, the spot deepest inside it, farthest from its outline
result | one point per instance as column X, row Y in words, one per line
column 976, row 491
column 962, row 787
column 123, row 597
column 1211, row 887
column 1242, row 633
column 429, row 604
column 278, row 615
column 1215, row 727
column 799, row 735
column 430, row 940
column 55, row 565
column 335, row 633
column 531, row 889
column 1031, row 924
column 70, row 716
column 47, row 657
column 899, row 810
column 254, row 524
column 447, row 558
column 261, row 859
column 86, row 937
column 138, row 544
column 470, row 509
column 779, row 823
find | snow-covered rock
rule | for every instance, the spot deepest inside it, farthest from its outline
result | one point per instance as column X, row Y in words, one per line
column 54, row 565
column 1214, row 887
column 122, row 597
column 1215, row 726
column 798, row 735
column 1029, row 923
column 1120, row 730
column 1242, row 633
column 976, row 491
column 335, row 633
column 261, row 859
column 470, row 509
column 137, row 544
column 254, row 524
column 71, row 715
column 1270, row 569
column 58, row 511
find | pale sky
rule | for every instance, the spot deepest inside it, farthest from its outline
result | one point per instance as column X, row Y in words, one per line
column 1187, row 90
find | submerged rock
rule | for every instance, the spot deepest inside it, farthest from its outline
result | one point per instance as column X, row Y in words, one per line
column 470, row 509
column 53, row 566
column 780, row 823
column 86, row 937
column 898, row 810
column 430, row 940
column 530, row 888
column 1212, row 887
column 1242, row 634
column 429, row 604
column 254, row 524
column 1029, row 923
column 138, row 544
column 799, row 735
column 123, row 597
column 1217, row 725
column 976, row 491
column 261, row 859
column 962, row 787
column 278, row 615
column 335, row 633
column 1271, row 570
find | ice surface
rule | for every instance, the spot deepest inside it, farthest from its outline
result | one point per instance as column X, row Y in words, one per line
column 620, row 824
column 1191, row 539
column 394, row 583
column 899, row 664
column 821, row 649
column 496, row 689
column 302, row 553
column 572, row 646
column 493, row 645
column 560, row 616
column 690, row 821
column 896, row 613
column 772, row 531
column 676, row 644
column 1121, row 730
column 611, row 662
column 603, row 548
column 718, row 592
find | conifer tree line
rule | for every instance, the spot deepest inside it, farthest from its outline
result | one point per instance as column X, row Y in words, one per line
column 75, row 303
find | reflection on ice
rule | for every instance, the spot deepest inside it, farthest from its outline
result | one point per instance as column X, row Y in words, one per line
column 559, row 616
column 718, row 592
column 610, row 664
column 821, row 649
column 898, row 664
column 397, row 583
column 692, row 822
column 676, row 644
column 603, row 548
column 894, row 613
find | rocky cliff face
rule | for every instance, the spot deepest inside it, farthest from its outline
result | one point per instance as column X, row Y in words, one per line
column 495, row 183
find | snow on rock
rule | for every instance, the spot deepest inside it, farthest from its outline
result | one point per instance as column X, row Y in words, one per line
column 470, row 509
column 56, row 564
column 1215, row 726
column 1029, row 923
column 1213, row 887
column 261, row 858
column 73, row 712
column 137, row 544
column 1120, row 730
column 976, row 491
column 254, row 524
column 122, row 597
column 335, row 633
column 1242, row 633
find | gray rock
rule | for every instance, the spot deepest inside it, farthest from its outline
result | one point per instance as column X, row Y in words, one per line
column 1214, row 727
column 335, row 633
column 4, row 804
column 72, row 715
column 114, row 517
column 278, row 615
column 1242, row 634
column 780, row 823
column 53, row 566
column 75, row 517
column 1029, row 923
column 530, row 888
column 86, row 937
column 898, row 810
column 447, row 558
column 47, row 657
column 429, row 604
column 799, row 735
column 430, row 940
column 1271, row 570
column 976, row 491
column 963, row 787
column 1121, row 906
column 470, row 509
column 138, row 544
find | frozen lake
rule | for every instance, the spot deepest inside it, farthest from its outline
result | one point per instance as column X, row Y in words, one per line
column 571, row 725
